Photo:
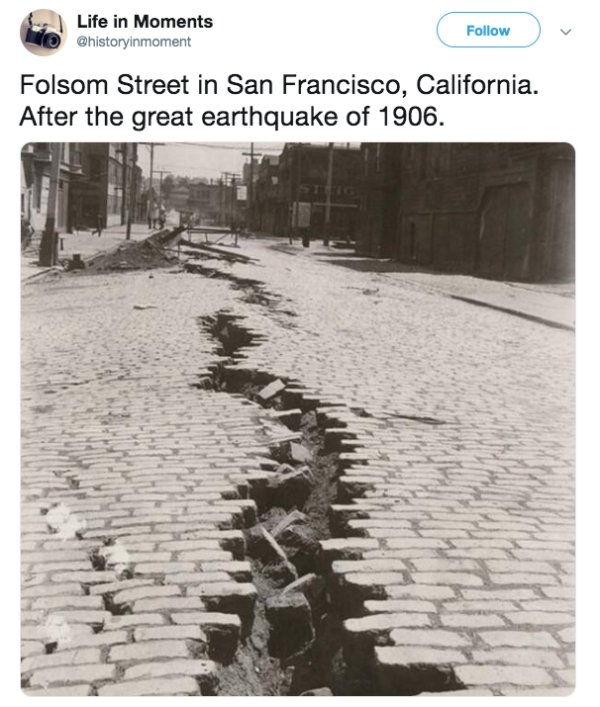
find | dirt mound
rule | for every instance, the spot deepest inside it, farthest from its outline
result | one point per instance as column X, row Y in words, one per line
column 142, row 255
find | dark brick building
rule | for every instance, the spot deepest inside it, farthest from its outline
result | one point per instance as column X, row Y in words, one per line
column 503, row 211
column 103, row 194
column 267, row 206
column 302, row 183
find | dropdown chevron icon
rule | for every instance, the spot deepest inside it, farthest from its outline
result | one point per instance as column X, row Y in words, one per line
column 565, row 31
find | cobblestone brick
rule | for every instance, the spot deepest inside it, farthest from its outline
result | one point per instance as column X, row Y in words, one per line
column 374, row 606
column 148, row 650
column 441, row 564
column 69, row 602
column 162, row 686
column 396, row 655
column 127, row 620
column 344, row 566
column 519, row 639
column 169, row 604
column 537, row 579
column 500, row 674
column 567, row 634
column 164, row 567
column 147, row 633
column 387, row 621
column 203, row 670
column 52, row 590
column 471, row 620
column 519, row 656
column 29, row 648
column 448, row 578
column 102, row 638
column 49, row 631
column 419, row 591
column 72, row 674
column 430, row 637
column 73, row 657
column 128, row 596
column 64, row 691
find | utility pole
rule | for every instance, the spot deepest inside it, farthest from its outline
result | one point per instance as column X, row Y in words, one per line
column 122, row 150
column 231, row 176
column 150, row 189
column 298, row 178
column 328, row 190
column 250, row 200
column 48, row 246
column 132, row 191
column 225, row 207
column 233, row 196
column 161, row 172
column 221, row 198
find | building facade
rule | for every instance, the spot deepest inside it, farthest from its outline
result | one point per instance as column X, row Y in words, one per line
column 95, row 184
column 36, row 160
column 267, row 211
column 503, row 211
column 205, row 199
column 317, row 191
column 103, row 196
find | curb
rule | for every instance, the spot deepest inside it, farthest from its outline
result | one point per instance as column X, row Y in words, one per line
column 515, row 312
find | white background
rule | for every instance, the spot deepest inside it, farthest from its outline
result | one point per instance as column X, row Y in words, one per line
column 324, row 39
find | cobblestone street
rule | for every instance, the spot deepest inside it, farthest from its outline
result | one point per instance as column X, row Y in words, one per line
column 450, row 560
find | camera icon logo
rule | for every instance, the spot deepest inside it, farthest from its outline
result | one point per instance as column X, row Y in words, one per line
column 43, row 32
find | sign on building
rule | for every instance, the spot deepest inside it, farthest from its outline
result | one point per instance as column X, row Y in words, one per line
column 301, row 214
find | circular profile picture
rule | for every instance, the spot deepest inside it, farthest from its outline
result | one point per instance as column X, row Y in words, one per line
column 43, row 32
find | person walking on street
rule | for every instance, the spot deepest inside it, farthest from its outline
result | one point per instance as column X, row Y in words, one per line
column 153, row 215
column 99, row 225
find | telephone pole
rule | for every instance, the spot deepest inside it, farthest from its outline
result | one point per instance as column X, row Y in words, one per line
column 161, row 172
column 150, row 189
column 48, row 246
column 328, row 190
column 250, row 201
column 132, row 191
column 230, row 181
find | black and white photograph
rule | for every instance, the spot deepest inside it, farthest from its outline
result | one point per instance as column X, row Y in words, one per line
column 297, row 418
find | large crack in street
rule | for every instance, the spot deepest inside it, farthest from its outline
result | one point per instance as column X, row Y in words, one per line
column 293, row 640
column 295, row 643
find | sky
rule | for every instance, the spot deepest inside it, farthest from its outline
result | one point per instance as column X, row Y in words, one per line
column 209, row 160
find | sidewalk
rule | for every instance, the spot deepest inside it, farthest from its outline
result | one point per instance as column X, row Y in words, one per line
column 551, row 304
column 82, row 242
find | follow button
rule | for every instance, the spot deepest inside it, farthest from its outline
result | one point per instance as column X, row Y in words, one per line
column 491, row 30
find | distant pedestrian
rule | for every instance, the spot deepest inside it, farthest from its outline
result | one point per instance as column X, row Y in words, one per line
column 153, row 216
column 99, row 225
column 26, row 231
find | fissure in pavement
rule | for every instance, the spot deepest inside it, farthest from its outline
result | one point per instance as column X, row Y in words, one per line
column 296, row 641
column 346, row 667
column 295, row 635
